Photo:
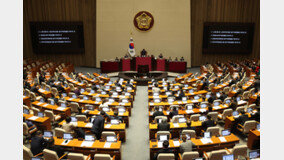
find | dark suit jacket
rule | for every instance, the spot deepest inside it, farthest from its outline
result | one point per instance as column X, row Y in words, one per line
column 180, row 96
column 98, row 124
column 164, row 150
column 256, row 116
column 242, row 119
column 163, row 127
column 208, row 123
column 38, row 144
column 173, row 113
column 158, row 113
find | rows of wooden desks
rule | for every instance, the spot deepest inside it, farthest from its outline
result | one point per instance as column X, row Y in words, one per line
column 98, row 146
column 118, row 129
column 41, row 122
column 64, row 112
column 207, row 145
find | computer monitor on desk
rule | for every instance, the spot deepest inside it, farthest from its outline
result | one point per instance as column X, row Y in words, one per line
column 228, row 157
column 67, row 136
column 207, row 135
column 111, row 139
column 162, row 138
column 254, row 154
column 226, row 132
column 47, row 134
column 89, row 137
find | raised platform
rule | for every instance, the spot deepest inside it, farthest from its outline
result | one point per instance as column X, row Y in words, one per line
column 143, row 78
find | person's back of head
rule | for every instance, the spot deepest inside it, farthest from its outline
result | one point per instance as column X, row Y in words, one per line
column 156, row 85
column 103, row 113
column 183, row 138
column 156, row 108
column 210, row 100
column 243, row 112
column 208, row 117
column 166, row 144
column 50, row 142
column 164, row 121
column 174, row 108
column 115, row 113
column 68, row 119
column 38, row 133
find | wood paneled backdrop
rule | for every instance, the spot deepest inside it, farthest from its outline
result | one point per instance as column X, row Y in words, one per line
column 85, row 10
column 222, row 11
column 63, row 10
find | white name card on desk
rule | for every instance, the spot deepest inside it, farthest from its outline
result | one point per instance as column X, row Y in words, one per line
column 206, row 140
column 160, row 144
column 222, row 139
column 189, row 111
column 39, row 103
column 87, row 144
column 176, row 124
column 120, row 114
column 89, row 125
column 70, row 99
column 176, row 143
column 45, row 105
column 65, row 143
column 33, row 118
column 202, row 110
column 151, row 103
column 107, row 145
column 108, row 126
column 179, row 102
column 60, row 108
column 81, row 100
column 194, row 101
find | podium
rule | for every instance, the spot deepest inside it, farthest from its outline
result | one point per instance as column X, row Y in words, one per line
column 161, row 64
column 143, row 61
column 126, row 64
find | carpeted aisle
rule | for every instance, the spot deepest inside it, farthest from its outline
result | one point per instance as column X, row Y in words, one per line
column 136, row 146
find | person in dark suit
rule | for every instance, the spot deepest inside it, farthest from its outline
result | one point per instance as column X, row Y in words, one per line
column 27, row 85
column 164, row 126
column 35, row 89
column 234, row 81
column 38, row 143
column 180, row 95
column 115, row 116
column 58, row 149
column 98, row 125
column 256, row 116
column 173, row 112
column 165, row 149
column 208, row 123
column 242, row 118
column 223, row 96
column 157, row 112
column 143, row 53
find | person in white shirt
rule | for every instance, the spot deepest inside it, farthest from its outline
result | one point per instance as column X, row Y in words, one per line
column 156, row 88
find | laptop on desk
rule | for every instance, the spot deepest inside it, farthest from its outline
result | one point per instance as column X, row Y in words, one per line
column 162, row 138
column 254, row 154
column 228, row 157
column 47, row 134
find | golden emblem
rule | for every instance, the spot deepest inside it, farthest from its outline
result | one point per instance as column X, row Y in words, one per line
column 143, row 20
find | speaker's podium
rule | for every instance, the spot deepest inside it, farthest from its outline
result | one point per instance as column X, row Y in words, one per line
column 143, row 69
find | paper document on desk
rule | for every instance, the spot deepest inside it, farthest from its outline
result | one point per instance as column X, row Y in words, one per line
column 189, row 111
column 89, row 125
column 60, row 108
column 216, row 107
column 120, row 114
column 45, row 105
column 176, row 124
column 87, row 144
column 242, row 102
column 176, row 143
column 41, row 90
column 33, row 118
column 202, row 110
column 179, row 102
column 81, row 100
column 222, row 139
column 74, row 123
column 70, row 99
column 206, row 140
column 160, row 144
column 121, row 104
column 39, row 103
column 63, row 143
column 108, row 126
column 156, row 97
column 151, row 103
column 194, row 101
column 107, row 145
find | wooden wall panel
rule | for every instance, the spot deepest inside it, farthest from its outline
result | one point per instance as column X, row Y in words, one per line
column 222, row 11
column 63, row 10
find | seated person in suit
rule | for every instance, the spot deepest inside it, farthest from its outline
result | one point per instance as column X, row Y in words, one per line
column 77, row 91
column 186, row 145
column 223, row 96
column 26, row 84
column 176, row 59
column 180, row 94
column 233, row 105
column 165, row 149
column 164, row 126
column 116, row 59
column 160, row 56
column 181, row 59
column 115, row 116
column 256, row 116
column 35, row 89
column 157, row 112
column 208, row 123
column 68, row 127
column 58, row 149
column 242, row 118
column 170, row 59
column 156, row 88
column 173, row 112
column 38, row 143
